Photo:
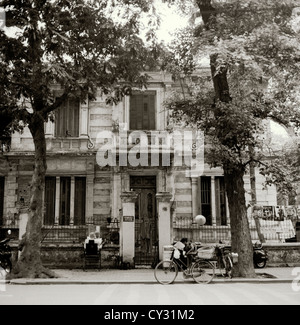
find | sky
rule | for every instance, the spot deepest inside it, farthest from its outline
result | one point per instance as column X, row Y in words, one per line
column 170, row 22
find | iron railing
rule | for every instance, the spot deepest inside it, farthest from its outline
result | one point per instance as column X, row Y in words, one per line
column 68, row 234
column 271, row 229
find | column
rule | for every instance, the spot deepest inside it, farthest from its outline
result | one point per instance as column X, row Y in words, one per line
column 83, row 118
column 72, row 202
column 195, row 207
column 164, row 221
column 57, row 197
column 213, row 201
column 115, row 193
column 127, row 238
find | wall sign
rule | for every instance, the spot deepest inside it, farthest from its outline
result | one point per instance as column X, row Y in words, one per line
column 128, row 218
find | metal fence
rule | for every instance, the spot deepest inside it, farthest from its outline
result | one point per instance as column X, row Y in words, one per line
column 272, row 230
column 278, row 231
column 68, row 234
column 54, row 234
column 204, row 234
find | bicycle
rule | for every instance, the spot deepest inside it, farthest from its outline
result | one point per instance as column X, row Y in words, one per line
column 224, row 260
column 201, row 270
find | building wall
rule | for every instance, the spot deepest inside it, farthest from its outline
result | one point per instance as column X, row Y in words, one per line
column 71, row 156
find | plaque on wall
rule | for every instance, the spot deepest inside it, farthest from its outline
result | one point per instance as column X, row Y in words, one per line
column 128, row 218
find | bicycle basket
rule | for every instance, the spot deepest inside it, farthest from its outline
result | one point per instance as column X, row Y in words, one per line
column 206, row 252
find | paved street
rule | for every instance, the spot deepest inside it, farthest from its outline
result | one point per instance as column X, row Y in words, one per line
column 187, row 293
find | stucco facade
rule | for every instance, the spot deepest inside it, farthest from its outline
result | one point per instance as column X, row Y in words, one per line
column 139, row 226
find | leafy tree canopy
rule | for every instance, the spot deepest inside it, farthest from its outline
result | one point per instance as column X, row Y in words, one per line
column 80, row 45
column 255, row 45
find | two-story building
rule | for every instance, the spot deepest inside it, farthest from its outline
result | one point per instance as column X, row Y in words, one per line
column 142, row 199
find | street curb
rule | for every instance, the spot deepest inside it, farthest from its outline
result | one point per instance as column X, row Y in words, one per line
column 89, row 282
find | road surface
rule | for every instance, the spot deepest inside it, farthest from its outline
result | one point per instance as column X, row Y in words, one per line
column 151, row 294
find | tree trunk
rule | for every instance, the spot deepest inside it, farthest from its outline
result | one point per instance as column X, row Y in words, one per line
column 254, row 201
column 240, row 232
column 29, row 264
column 220, row 81
column 233, row 175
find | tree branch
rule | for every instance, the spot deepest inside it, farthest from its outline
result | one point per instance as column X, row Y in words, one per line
column 58, row 102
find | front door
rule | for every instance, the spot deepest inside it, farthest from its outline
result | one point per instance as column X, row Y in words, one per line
column 146, row 236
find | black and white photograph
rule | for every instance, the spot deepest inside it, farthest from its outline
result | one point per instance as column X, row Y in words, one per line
column 149, row 156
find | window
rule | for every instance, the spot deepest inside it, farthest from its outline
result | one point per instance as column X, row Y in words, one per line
column 1, row 199
column 64, row 201
column 67, row 119
column 79, row 208
column 68, row 194
column 50, row 194
column 207, row 193
column 142, row 111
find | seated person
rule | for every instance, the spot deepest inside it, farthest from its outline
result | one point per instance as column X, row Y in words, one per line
column 98, row 240
column 181, row 245
column 187, row 250
column 91, row 236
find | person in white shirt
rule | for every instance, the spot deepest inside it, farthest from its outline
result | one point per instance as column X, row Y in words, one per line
column 91, row 236
column 98, row 240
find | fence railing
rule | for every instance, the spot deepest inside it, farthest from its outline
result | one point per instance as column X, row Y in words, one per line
column 205, row 234
column 272, row 230
column 68, row 234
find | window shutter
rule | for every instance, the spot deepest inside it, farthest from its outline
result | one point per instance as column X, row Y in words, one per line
column 142, row 111
column 67, row 119
column 65, row 193
column 206, row 199
column 133, row 115
column 73, row 118
column 223, row 215
column 80, row 196
column 151, row 112
column 50, row 191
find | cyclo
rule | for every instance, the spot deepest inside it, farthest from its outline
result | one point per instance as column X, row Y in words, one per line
column 200, row 269
column 204, row 260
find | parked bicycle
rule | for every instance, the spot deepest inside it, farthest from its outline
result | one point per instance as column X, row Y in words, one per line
column 201, row 270
column 224, row 258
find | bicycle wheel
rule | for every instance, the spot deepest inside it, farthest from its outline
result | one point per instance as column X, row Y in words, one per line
column 203, row 271
column 166, row 272
column 228, row 265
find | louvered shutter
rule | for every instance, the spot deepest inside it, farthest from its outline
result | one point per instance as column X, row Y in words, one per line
column 142, row 111
column 67, row 119
column 80, row 196
column 65, row 193
column 50, row 192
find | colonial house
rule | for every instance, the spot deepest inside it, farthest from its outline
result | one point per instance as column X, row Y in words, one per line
column 111, row 168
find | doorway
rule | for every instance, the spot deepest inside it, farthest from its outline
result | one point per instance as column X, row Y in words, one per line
column 146, row 235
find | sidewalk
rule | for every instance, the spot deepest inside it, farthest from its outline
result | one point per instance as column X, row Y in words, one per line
column 146, row 276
